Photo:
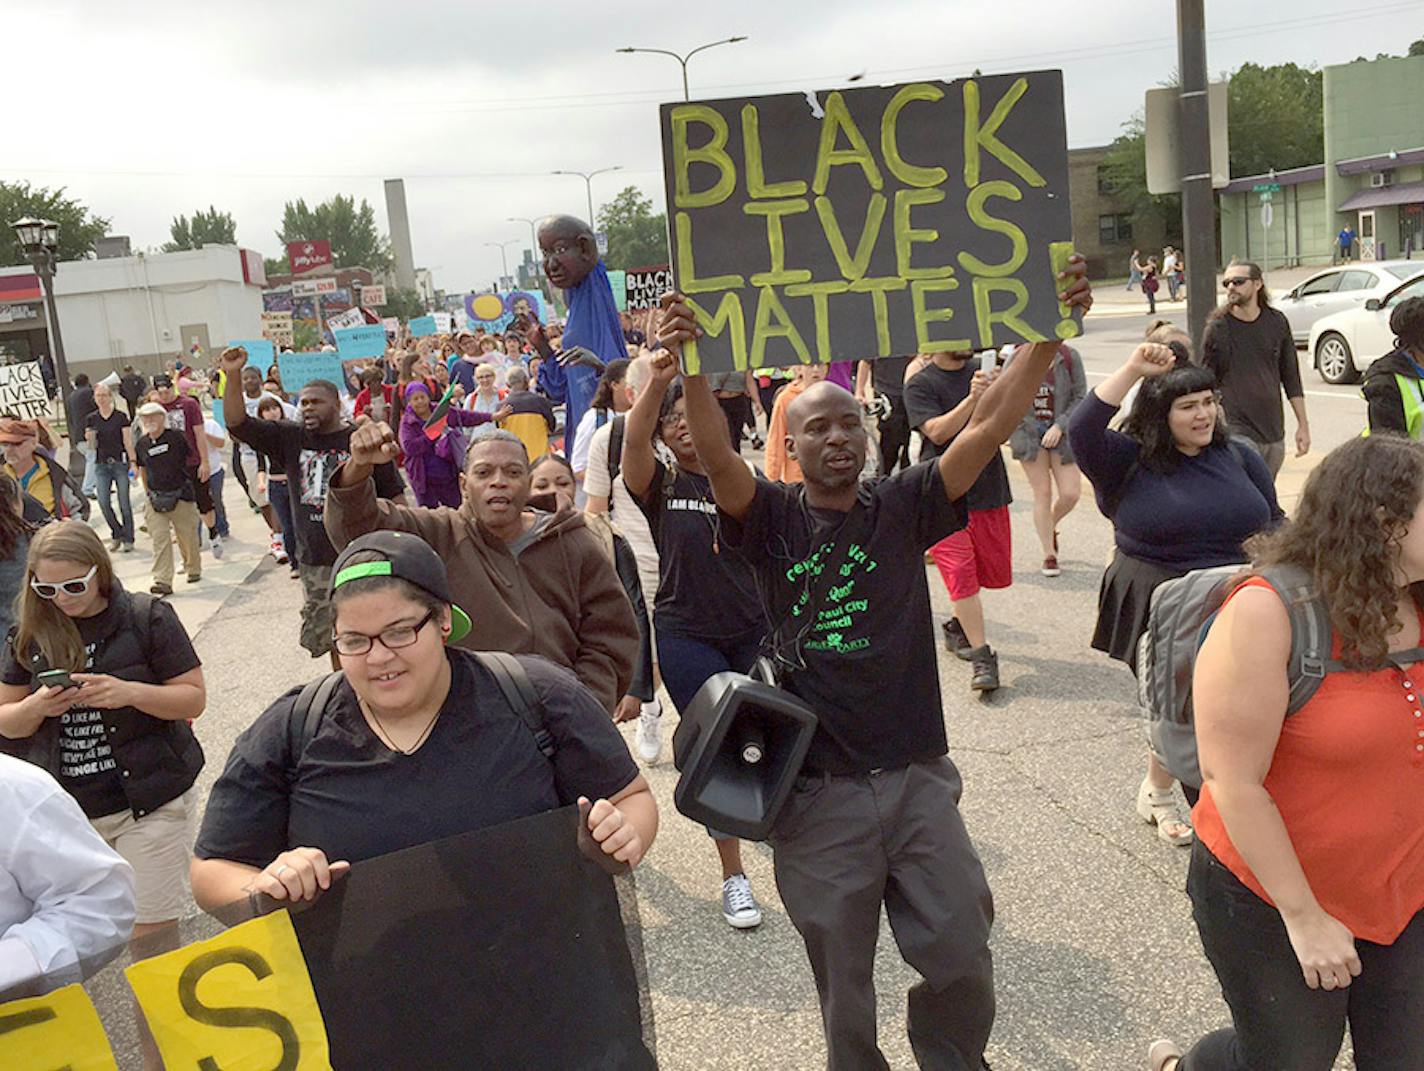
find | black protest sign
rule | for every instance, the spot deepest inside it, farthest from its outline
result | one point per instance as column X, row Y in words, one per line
column 644, row 286
column 504, row 948
column 868, row 222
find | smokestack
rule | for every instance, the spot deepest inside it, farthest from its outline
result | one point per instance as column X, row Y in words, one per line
column 400, row 233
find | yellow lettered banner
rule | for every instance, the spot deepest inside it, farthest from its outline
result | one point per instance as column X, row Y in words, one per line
column 242, row 1001
column 58, row 1030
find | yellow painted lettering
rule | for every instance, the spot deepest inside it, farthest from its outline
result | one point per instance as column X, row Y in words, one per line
column 985, row 316
column 906, row 236
column 974, row 205
column 908, row 173
column 713, row 152
column 924, row 316
column 58, row 1030
column 728, row 317
column 769, row 308
column 837, row 118
column 854, row 266
column 984, row 136
column 819, row 293
column 775, row 212
column 757, row 186
column 877, row 289
column 687, row 280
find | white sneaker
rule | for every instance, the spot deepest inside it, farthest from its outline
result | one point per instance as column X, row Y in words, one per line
column 739, row 906
column 650, row 732
column 217, row 547
column 279, row 550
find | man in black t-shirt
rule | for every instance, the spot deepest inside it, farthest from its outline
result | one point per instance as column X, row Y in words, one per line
column 1249, row 345
column 940, row 398
column 310, row 453
column 886, row 377
column 110, row 440
column 876, row 808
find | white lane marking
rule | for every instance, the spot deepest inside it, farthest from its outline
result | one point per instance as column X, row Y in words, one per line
column 1308, row 394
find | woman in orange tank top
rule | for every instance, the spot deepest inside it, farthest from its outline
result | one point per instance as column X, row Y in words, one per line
column 1307, row 879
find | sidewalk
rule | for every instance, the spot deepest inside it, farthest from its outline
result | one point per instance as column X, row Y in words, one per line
column 1113, row 297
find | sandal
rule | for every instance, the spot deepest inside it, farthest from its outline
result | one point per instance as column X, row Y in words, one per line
column 1158, row 807
column 1164, row 1056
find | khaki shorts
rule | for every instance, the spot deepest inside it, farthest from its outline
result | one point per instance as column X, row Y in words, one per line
column 249, row 477
column 156, row 846
column 316, row 609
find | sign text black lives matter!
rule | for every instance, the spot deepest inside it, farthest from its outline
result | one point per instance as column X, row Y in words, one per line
column 869, row 222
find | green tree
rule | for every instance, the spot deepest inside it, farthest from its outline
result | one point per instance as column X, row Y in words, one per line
column 636, row 237
column 78, row 228
column 1276, row 118
column 275, row 266
column 403, row 303
column 1416, row 48
column 205, row 228
column 355, row 241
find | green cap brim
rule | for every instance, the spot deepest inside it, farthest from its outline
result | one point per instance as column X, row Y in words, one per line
column 459, row 624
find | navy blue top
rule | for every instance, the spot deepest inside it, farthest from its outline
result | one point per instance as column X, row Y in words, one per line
column 1194, row 517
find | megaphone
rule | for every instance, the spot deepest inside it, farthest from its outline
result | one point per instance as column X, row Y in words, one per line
column 740, row 745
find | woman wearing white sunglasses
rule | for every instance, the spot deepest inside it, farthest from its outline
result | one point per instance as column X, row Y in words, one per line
column 97, row 685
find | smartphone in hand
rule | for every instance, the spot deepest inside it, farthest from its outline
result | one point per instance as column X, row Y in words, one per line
column 56, row 678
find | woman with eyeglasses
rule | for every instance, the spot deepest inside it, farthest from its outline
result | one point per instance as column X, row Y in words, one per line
column 417, row 743
column 97, row 686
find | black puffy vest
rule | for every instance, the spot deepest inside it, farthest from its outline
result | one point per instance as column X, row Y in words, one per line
column 158, row 759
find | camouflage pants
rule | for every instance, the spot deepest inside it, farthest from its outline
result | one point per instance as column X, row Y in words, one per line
column 316, row 609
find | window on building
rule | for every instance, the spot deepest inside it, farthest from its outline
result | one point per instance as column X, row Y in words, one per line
column 1114, row 228
column 1105, row 186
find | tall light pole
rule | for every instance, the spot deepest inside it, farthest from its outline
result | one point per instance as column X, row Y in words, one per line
column 587, row 177
column 39, row 238
column 534, row 249
column 503, row 258
column 1194, row 145
column 684, row 57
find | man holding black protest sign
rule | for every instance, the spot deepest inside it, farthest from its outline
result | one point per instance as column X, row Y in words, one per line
column 874, row 817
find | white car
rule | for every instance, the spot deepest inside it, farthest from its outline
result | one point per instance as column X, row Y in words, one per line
column 1346, row 286
column 1345, row 344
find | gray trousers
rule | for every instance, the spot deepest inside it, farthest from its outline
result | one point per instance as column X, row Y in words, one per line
column 845, row 845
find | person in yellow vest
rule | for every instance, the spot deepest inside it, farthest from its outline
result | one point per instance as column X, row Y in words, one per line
column 1394, row 384
column 533, row 417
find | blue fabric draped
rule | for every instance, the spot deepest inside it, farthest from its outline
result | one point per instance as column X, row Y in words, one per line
column 593, row 324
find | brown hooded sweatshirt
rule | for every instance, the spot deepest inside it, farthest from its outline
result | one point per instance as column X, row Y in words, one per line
column 561, row 598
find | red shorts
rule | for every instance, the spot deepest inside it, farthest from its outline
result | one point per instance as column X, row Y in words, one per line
column 979, row 556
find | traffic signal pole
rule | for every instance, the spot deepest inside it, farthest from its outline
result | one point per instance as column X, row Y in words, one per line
column 1194, row 144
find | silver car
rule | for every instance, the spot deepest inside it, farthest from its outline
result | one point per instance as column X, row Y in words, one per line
column 1346, row 286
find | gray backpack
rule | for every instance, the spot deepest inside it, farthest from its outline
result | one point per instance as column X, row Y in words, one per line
column 1178, row 618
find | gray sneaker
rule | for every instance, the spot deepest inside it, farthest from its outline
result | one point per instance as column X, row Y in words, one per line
column 739, row 906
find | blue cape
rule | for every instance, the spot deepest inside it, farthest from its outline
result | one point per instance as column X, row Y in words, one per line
column 593, row 324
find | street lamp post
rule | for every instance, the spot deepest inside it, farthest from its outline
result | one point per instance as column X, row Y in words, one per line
column 503, row 258
column 39, row 238
column 534, row 249
column 587, row 177
column 683, row 58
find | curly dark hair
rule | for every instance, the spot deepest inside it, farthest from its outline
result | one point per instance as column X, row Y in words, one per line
column 1407, row 323
column 1147, row 423
column 1356, row 507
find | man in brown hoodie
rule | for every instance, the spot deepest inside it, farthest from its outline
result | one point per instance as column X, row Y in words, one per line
column 533, row 582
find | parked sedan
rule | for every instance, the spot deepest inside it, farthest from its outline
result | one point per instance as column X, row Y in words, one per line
column 1347, row 286
column 1345, row 344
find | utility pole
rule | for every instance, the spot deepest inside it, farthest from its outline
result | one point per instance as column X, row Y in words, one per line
column 1194, row 145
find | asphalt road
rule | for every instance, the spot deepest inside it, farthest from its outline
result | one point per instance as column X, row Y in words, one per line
column 1096, row 954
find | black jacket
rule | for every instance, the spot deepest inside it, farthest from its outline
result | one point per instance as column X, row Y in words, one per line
column 159, row 759
column 1381, row 389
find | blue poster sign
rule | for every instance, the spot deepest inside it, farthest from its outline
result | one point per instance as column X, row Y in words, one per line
column 259, row 351
column 420, row 326
column 354, row 342
column 299, row 369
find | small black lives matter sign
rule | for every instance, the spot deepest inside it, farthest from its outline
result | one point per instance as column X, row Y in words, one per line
column 869, row 222
column 644, row 286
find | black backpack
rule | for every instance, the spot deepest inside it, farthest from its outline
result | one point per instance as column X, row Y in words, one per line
column 514, row 685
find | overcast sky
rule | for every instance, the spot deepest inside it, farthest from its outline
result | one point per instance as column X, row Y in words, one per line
column 160, row 107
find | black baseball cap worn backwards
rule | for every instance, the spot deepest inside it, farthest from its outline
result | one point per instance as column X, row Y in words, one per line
column 406, row 557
